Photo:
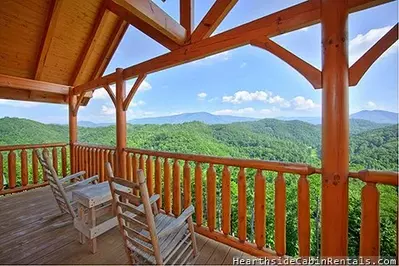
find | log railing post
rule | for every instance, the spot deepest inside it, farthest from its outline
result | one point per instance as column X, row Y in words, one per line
column 335, row 128
column 73, row 131
column 120, row 165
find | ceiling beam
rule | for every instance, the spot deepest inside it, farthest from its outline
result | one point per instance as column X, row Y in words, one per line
column 109, row 50
column 360, row 67
column 287, row 20
column 90, row 43
column 32, row 85
column 150, row 19
column 32, row 96
column 187, row 16
column 51, row 23
column 212, row 19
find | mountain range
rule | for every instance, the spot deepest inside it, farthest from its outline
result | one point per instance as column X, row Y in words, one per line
column 376, row 116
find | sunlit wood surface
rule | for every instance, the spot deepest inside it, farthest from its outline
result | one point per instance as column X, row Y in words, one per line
column 29, row 237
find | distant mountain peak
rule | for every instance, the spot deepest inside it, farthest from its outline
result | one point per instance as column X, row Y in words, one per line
column 377, row 116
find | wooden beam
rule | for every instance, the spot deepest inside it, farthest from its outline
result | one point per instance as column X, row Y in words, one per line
column 51, row 23
column 335, row 129
column 212, row 19
column 187, row 16
column 360, row 67
column 73, row 131
column 121, row 139
column 289, row 19
column 32, row 85
column 78, row 103
column 90, row 43
column 150, row 19
column 109, row 50
column 32, row 96
column 133, row 91
column 110, row 93
column 312, row 74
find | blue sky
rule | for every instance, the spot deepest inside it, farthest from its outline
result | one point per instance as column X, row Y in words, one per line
column 246, row 81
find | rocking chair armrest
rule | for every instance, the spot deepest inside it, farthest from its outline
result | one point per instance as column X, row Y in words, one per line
column 80, row 183
column 73, row 176
column 178, row 223
column 154, row 198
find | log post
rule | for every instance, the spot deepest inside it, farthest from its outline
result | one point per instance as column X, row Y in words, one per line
column 73, row 130
column 120, row 164
column 335, row 128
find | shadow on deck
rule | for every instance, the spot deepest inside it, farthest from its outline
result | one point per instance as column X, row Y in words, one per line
column 28, row 238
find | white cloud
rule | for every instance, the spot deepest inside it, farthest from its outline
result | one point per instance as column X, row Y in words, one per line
column 362, row 42
column 144, row 86
column 243, row 64
column 371, row 105
column 300, row 103
column 304, row 29
column 139, row 103
column 262, row 96
column 243, row 111
column 220, row 57
column 108, row 110
column 202, row 95
column 20, row 104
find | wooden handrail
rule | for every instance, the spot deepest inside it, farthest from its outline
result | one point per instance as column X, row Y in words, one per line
column 31, row 146
column 86, row 145
column 294, row 168
column 377, row 177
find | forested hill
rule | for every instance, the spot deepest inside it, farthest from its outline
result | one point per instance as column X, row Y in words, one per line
column 372, row 145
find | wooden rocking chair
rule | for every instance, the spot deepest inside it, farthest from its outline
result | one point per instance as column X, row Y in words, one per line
column 156, row 237
column 62, row 187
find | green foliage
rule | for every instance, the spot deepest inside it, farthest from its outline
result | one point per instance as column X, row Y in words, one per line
column 372, row 146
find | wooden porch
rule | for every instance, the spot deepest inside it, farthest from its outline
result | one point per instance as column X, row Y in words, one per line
column 27, row 238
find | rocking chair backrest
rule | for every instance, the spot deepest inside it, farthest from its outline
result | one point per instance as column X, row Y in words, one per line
column 55, row 184
column 136, row 222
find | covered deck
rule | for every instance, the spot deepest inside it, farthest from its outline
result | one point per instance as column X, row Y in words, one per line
column 73, row 42
column 28, row 238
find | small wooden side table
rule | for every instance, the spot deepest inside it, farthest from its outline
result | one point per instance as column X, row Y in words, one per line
column 93, row 202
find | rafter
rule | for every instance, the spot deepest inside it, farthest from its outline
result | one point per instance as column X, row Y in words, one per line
column 212, row 19
column 32, row 85
column 32, row 96
column 133, row 91
column 312, row 74
column 187, row 16
column 109, row 50
column 51, row 23
column 150, row 19
column 360, row 67
column 90, row 43
column 290, row 19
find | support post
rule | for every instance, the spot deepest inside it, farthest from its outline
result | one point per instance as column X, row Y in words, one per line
column 120, row 165
column 73, row 130
column 335, row 128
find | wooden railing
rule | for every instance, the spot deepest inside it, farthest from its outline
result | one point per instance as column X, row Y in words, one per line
column 92, row 159
column 370, row 217
column 19, row 166
column 174, row 175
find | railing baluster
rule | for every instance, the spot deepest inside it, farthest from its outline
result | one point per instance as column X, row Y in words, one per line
column 43, row 173
column 95, row 161
column 242, row 206
column 1, row 172
column 211, row 197
column 260, row 209
column 55, row 159
column 134, row 169
column 111, row 159
column 150, row 175
column 176, row 188
column 74, row 154
column 279, row 212
column 226, row 200
column 129, row 173
column 142, row 162
column 80, row 159
column 35, row 167
column 91, row 162
column 370, row 223
column 166, row 181
column 87, row 162
column 11, row 169
column 102, row 165
column 186, row 185
column 24, row 168
column 303, row 216
column 158, row 181
column 198, row 194
column 64, row 161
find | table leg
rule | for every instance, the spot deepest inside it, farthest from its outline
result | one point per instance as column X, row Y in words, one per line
column 81, row 217
column 92, row 223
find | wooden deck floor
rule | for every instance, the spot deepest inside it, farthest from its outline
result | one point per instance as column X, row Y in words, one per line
column 27, row 238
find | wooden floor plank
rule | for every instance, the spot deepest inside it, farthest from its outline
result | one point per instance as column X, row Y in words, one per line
column 27, row 238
